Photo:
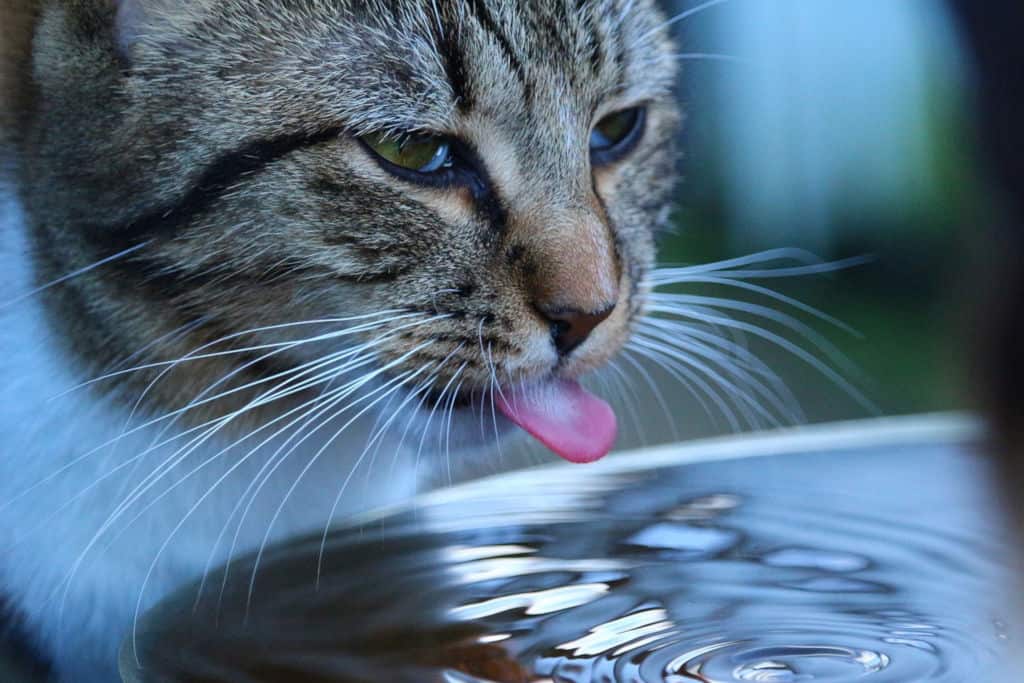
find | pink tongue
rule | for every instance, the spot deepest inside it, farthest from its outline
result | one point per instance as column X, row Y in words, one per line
column 565, row 417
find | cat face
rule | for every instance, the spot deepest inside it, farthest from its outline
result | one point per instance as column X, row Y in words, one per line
column 454, row 197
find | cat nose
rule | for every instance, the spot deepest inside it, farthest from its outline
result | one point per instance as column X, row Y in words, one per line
column 569, row 266
column 570, row 327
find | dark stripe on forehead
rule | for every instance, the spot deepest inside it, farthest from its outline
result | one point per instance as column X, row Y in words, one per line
column 218, row 178
column 618, row 52
column 487, row 23
column 447, row 40
column 595, row 38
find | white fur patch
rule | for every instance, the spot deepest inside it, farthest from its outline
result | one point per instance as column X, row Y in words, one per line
column 64, row 471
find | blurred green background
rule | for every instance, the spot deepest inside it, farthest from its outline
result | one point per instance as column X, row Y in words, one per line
column 841, row 128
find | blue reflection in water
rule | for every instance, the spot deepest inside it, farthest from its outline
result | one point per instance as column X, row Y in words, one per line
column 881, row 565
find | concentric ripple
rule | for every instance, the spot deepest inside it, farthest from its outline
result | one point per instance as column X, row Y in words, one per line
column 740, row 662
column 821, row 566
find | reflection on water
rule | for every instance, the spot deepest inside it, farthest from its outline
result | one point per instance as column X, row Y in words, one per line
column 879, row 564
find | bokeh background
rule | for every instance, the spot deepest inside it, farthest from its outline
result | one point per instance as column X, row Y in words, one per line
column 842, row 128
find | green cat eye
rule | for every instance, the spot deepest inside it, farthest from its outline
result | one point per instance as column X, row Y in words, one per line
column 422, row 154
column 615, row 134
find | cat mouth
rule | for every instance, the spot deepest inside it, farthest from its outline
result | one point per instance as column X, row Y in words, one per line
column 572, row 422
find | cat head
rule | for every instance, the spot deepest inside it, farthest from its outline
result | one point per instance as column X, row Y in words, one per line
column 452, row 197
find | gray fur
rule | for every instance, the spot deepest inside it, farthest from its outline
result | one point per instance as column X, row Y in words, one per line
column 114, row 141
column 217, row 142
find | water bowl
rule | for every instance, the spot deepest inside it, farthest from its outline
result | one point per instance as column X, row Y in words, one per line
column 858, row 552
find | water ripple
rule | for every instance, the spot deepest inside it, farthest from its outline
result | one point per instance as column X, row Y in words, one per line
column 817, row 567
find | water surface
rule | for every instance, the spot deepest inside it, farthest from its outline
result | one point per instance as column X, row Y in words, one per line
column 878, row 560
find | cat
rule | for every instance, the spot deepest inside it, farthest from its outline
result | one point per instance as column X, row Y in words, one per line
column 263, row 261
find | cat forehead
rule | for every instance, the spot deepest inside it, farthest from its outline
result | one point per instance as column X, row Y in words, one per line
column 408, row 64
column 486, row 53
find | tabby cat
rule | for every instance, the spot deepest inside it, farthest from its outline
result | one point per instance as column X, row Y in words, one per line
column 263, row 261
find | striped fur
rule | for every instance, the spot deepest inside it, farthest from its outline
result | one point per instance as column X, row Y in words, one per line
column 213, row 145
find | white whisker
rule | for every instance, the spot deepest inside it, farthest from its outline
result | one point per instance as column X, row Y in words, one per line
column 311, row 414
column 725, row 353
column 258, row 402
column 448, row 427
column 789, row 347
column 678, row 374
column 683, row 305
column 658, row 396
column 76, row 273
column 196, row 356
column 802, row 256
column 779, row 399
column 170, row 336
column 771, row 294
column 423, row 391
column 202, row 397
column 630, row 406
column 277, row 459
column 708, row 57
column 677, row 362
column 490, row 391
column 185, row 451
column 398, row 382
column 212, row 488
column 433, row 409
column 667, row 276
column 422, row 388
column 682, row 16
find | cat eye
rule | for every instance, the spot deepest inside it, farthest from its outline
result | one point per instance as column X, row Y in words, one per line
column 424, row 154
column 616, row 134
